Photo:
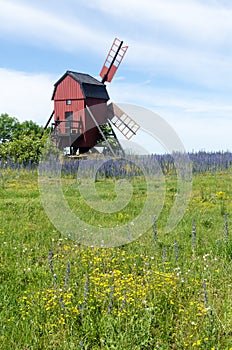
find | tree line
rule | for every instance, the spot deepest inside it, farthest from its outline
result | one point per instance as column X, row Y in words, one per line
column 21, row 141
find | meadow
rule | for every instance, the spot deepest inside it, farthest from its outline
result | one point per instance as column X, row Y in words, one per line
column 162, row 291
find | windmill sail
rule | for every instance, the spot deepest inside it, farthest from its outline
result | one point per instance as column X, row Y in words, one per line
column 113, row 60
column 122, row 121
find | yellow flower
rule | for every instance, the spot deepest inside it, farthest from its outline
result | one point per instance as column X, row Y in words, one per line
column 198, row 342
column 220, row 194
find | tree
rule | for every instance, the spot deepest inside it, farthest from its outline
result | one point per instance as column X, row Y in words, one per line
column 8, row 126
column 21, row 142
column 11, row 128
column 27, row 128
column 24, row 149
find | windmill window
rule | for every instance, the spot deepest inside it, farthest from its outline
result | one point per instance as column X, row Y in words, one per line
column 68, row 102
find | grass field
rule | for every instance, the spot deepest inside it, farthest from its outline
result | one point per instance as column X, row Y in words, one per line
column 163, row 291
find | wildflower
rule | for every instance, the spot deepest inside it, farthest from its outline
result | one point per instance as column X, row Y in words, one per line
column 226, row 229
column 220, row 195
column 205, row 295
column 61, row 320
column 124, row 301
column 81, row 343
column 197, row 343
column 86, row 287
column 110, row 302
column 205, row 256
column 62, row 303
column 154, row 229
column 176, row 250
column 67, row 274
column 164, row 255
column 193, row 234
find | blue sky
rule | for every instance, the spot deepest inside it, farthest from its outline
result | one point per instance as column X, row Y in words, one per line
column 179, row 61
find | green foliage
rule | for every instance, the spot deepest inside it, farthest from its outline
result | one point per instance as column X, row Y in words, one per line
column 24, row 149
column 27, row 127
column 20, row 142
column 8, row 125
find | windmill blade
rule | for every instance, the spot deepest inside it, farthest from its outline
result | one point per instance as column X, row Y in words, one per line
column 113, row 60
column 122, row 121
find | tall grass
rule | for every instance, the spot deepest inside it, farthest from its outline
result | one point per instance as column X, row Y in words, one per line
column 163, row 291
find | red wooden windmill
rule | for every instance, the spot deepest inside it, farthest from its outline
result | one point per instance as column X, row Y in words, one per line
column 81, row 113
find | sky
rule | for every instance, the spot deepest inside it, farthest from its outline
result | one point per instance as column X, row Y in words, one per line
column 178, row 64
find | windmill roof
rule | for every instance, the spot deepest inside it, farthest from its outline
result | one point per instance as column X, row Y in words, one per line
column 90, row 86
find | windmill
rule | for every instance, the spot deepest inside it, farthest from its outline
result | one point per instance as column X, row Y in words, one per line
column 82, row 118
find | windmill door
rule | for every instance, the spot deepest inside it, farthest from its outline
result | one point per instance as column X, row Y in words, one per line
column 68, row 122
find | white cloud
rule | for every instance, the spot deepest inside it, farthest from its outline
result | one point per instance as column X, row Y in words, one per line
column 185, row 40
column 190, row 19
column 184, row 64
column 40, row 26
column 26, row 96
column 179, row 39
